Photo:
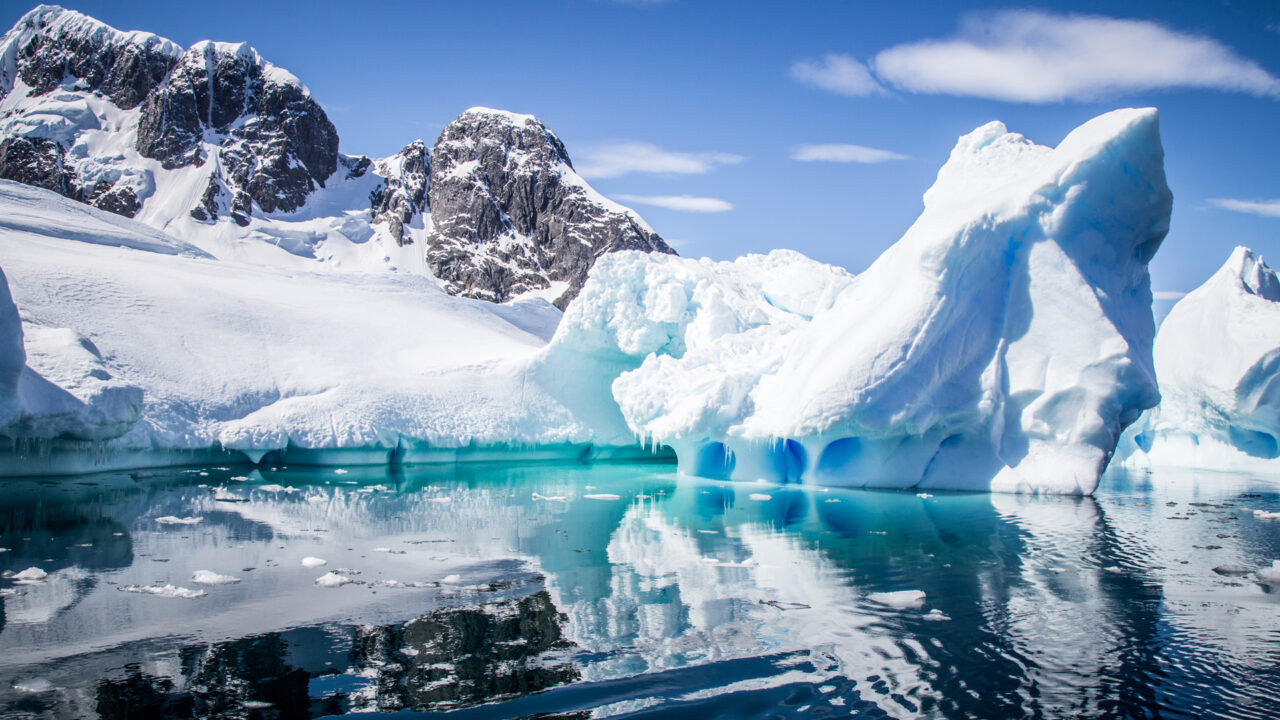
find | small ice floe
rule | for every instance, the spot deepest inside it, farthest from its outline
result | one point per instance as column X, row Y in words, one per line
column 879, row 532
column 175, row 520
column 340, row 471
column 440, row 500
column 274, row 488
column 1266, row 515
column 1232, row 569
column 166, row 590
column 256, row 704
column 209, row 577
column 748, row 563
column 590, row 487
column 936, row 615
column 4, row 550
column 926, row 496
column 221, row 494
column 900, row 599
column 313, row 562
column 1114, row 569
column 832, row 500
column 452, row 579
column 760, row 496
column 239, row 478
column 709, row 532
column 317, row 498
column 1271, row 575
column 388, row 550
column 550, row 498
column 602, row 496
column 31, row 574
column 333, row 580
column 33, row 685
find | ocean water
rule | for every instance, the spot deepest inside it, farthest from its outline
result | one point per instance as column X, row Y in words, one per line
column 626, row 590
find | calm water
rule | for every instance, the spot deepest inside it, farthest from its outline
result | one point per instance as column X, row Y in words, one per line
column 507, row 591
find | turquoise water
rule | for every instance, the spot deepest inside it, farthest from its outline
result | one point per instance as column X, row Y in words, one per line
column 626, row 590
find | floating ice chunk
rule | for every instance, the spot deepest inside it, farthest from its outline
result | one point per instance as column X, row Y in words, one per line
column 209, row 577
column 34, row 685
column 31, row 573
column 166, row 590
column 1266, row 515
column 1114, row 569
column 4, row 550
column 936, row 615
column 452, row 579
column 313, row 562
column 440, row 500
column 550, row 498
column 317, row 498
column 1270, row 575
column 900, row 599
column 1233, row 569
column 760, row 496
column 333, row 580
column 174, row 520
column 340, row 471
column 602, row 496
column 221, row 494
column 709, row 532
column 273, row 488
column 924, row 495
column 256, row 704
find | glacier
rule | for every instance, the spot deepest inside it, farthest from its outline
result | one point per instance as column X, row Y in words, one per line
column 1002, row 344
column 1217, row 357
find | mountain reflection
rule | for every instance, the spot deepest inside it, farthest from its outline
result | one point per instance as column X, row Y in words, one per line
column 536, row 588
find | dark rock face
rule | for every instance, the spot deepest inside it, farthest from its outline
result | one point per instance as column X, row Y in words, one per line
column 510, row 214
column 404, row 192
column 54, row 44
column 277, row 144
column 38, row 162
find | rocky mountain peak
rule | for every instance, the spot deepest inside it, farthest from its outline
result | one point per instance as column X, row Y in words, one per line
column 274, row 143
column 50, row 44
column 404, row 191
column 510, row 215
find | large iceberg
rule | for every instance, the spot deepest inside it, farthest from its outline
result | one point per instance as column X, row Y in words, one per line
column 1002, row 344
column 1217, row 357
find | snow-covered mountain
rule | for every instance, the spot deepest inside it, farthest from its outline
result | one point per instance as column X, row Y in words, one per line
column 217, row 146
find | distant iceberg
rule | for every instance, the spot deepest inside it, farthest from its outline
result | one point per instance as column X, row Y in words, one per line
column 1002, row 344
column 1217, row 357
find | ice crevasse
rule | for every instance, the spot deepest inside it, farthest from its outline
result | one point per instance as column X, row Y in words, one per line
column 1217, row 357
column 1003, row 343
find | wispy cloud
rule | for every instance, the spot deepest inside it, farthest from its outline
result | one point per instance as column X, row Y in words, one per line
column 837, row 73
column 683, row 203
column 613, row 160
column 1037, row 57
column 1168, row 294
column 1266, row 208
column 841, row 153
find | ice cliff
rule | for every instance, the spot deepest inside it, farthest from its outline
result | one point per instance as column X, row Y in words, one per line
column 1217, row 357
column 1002, row 344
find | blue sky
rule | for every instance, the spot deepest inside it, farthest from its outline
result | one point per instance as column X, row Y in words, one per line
column 715, row 101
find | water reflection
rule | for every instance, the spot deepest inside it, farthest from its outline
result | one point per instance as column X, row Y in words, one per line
column 536, row 588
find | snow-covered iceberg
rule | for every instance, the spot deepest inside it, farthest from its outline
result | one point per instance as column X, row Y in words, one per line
column 1002, row 344
column 1217, row 357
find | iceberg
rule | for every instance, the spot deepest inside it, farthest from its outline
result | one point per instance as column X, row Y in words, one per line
column 1217, row 357
column 1004, row 343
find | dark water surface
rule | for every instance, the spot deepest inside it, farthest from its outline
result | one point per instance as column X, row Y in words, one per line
column 508, row 591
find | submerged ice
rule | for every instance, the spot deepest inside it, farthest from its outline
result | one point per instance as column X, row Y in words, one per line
column 1002, row 344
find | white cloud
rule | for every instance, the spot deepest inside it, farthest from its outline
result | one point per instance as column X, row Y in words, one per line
column 617, row 159
column 1168, row 294
column 844, row 154
column 1038, row 57
column 683, row 203
column 837, row 73
column 1265, row 208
